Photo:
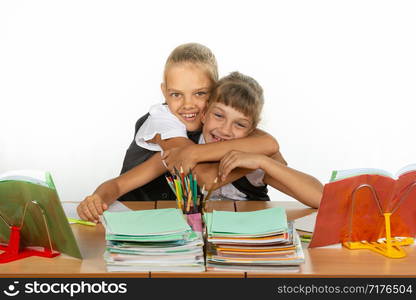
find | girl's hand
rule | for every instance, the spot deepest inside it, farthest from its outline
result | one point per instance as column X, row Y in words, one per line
column 179, row 157
column 91, row 208
column 238, row 159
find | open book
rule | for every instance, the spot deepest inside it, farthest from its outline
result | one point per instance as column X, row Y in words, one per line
column 28, row 198
column 32, row 176
column 342, row 174
column 354, row 201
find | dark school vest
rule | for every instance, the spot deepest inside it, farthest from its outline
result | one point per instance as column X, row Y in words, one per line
column 157, row 189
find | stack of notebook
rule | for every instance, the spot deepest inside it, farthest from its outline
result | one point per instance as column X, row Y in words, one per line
column 260, row 240
column 152, row 240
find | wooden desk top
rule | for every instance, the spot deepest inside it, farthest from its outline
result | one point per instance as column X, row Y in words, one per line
column 319, row 262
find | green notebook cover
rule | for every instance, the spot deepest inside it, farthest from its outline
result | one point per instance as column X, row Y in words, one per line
column 247, row 223
column 15, row 194
column 150, row 222
column 146, row 239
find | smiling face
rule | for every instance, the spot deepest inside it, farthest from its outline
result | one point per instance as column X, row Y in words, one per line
column 222, row 122
column 186, row 89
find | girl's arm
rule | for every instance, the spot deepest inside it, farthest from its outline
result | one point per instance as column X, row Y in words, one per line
column 209, row 171
column 299, row 185
column 205, row 172
column 258, row 142
column 106, row 193
column 172, row 143
column 94, row 205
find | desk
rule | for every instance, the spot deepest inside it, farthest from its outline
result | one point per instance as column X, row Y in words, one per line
column 319, row 262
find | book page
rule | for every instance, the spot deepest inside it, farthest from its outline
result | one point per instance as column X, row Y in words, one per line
column 343, row 174
column 406, row 169
column 306, row 223
column 32, row 176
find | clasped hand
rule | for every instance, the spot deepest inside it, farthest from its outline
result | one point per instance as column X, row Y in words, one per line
column 237, row 159
column 182, row 157
column 178, row 158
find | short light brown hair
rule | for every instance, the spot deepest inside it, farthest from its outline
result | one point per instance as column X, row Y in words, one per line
column 194, row 53
column 242, row 93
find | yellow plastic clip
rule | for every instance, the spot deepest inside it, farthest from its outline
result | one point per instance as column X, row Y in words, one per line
column 388, row 247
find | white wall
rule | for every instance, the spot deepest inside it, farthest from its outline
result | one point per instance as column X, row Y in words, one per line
column 339, row 79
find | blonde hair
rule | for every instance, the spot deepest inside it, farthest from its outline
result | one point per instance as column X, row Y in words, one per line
column 242, row 93
column 193, row 53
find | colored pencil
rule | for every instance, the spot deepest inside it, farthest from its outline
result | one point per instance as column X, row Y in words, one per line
column 211, row 189
column 186, row 190
column 178, row 196
column 195, row 189
column 209, row 193
column 170, row 183
column 189, row 199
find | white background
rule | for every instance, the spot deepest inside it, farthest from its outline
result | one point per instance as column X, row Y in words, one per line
column 339, row 79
